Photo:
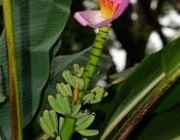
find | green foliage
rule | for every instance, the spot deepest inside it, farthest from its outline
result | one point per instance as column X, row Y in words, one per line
column 169, row 100
column 36, row 32
column 138, row 88
column 162, row 126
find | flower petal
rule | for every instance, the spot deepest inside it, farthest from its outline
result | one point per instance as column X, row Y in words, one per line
column 123, row 5
column 92, row 19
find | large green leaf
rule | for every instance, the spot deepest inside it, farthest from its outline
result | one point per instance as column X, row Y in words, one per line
column 154, row 69
column 38, row 25
column 169, row 100
column 162, row 126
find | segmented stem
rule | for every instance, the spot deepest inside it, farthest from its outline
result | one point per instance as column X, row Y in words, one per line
column 67, row 129
column 95, row 55
column 12, row 69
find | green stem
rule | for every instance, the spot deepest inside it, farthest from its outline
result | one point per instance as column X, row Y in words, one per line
column 67, row 129
column 94, row 56
column 12, row 69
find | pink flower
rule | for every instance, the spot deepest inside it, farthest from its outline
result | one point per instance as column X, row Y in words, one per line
column 109, row 11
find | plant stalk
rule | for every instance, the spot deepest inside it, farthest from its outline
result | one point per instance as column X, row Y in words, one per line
column 67, row 129
column 94, row 57
column 12, row 69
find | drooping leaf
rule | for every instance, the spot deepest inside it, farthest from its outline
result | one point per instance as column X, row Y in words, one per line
column 154, row 69
column 169, row 100
column 38, row 25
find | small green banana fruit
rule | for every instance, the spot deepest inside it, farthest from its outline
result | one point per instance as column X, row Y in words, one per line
column 49, row 123
column 95, row 95
column 63, row 89
column 69, row 78
column 61, row 104
column 88, row 132
column 84, row 121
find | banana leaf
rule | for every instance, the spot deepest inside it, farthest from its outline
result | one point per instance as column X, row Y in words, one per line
column 161, row 126
column 143, row 81
column 38, row 25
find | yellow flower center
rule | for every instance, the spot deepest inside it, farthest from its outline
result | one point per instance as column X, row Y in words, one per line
column 108, row 8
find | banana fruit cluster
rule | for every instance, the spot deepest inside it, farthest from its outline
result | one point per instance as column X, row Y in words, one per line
column 64, row 104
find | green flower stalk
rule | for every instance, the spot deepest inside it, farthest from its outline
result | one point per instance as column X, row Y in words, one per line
column 95, row 55
column 102, row 18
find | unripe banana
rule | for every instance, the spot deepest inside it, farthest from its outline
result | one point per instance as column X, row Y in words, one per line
column 88, row 132
column 78, row 70
column 61, row 121
column 69, row 78
column 67, row 90
column 81, row 84
column 45, row 128
column 55, row 105
column 63, row 89
column 54, row 120
column 58, row 138
column 95, row 95
column 64, row 103
column 84, row 122
column 67, row 105
column 47, row 120
column 75, row 109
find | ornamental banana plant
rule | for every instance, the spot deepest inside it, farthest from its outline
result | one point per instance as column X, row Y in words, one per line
column 102, row 19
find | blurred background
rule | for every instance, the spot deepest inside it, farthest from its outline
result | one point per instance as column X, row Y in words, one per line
column 145, row 27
